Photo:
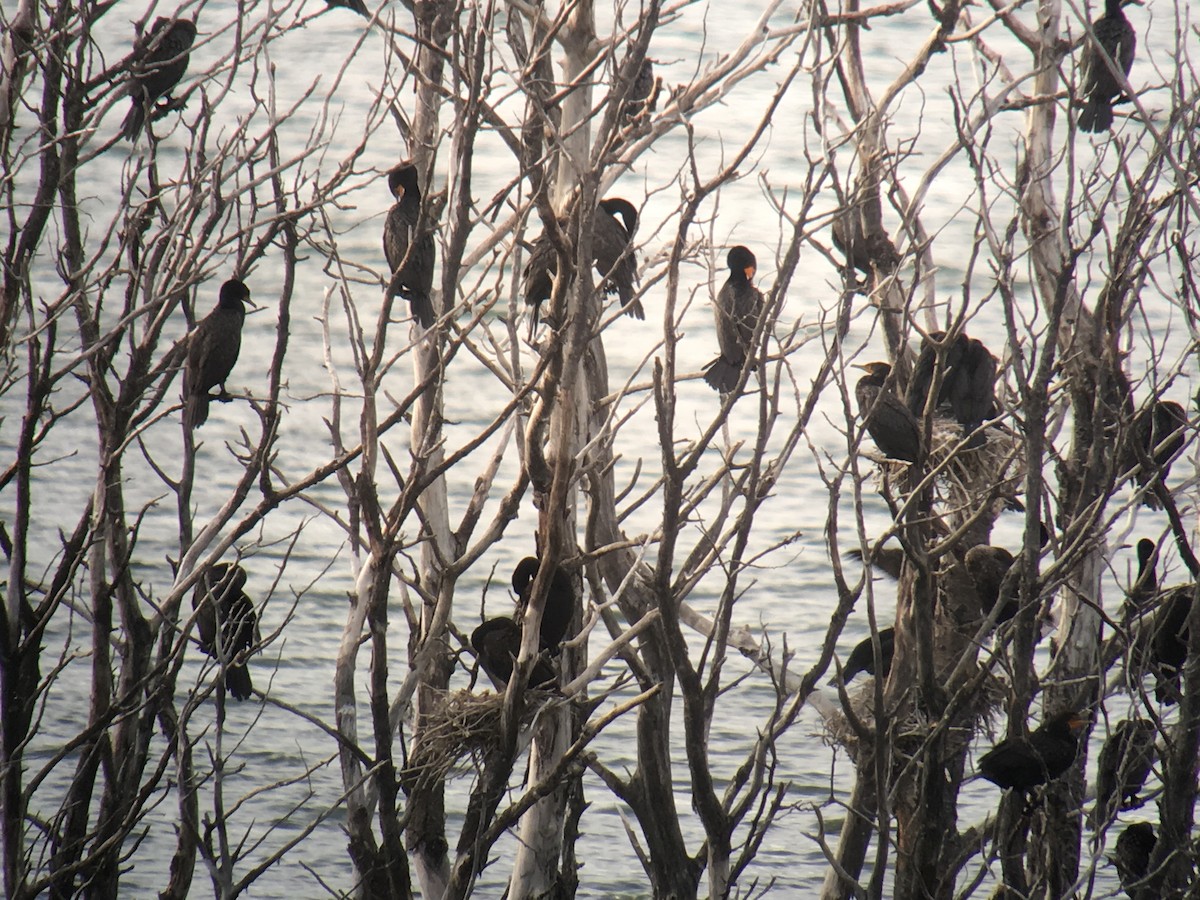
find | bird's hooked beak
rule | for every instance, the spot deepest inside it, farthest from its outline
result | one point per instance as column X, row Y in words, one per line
column 750, row 270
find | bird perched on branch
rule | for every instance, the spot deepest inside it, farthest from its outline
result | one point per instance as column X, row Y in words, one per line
column 1115, row 35
column 643, row 93
column 889, row 422
column 613, row 225
column 737, row 308
column 159, row 61
column 888, row 560
column 1125, row 762
column 613, row 228
column 1025, row 763
column 222, row 608
column 408, row 245
column 1159, row 432
column 212, row 352
column 988, row 567
column 1135, row 845
column 968, row 382
column 557, row 611
column 497, row 644
column 1169, row 649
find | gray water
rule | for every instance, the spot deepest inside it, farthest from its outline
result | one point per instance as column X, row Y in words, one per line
column 789, row 593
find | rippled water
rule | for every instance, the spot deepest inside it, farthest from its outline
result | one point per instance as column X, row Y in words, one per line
column 790, row 591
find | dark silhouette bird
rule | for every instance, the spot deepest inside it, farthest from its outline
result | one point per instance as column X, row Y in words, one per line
column 1160, row 432
column 889, row 422
column 613, row 228
column 497, row 644
column 1024, row 763
column 1169, row 646
column 557, row 611
column 1145, row 586
column 408, row 245
column 1125, row 763
column 223, row 608
column 613, row 225
column 862, row 657
column 213, row 349
column 967, row 389
column 887, row 560
column 863, row 252
column 737, row 308
column 159, row 61
column 354, row 5
column 1114, row 33
column 1135, row 845
column 643, row 98
column 988, row 567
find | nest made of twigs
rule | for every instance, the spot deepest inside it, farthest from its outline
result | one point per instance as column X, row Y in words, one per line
column 457, row 726
column 913, row 727
column 968, row 477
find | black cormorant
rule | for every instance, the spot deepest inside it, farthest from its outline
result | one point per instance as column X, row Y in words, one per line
column 1135, row 845
column 889, row 422
column 862, row 657
column 1114, row 33
column 643, row 98
column 1160, row 431
column 1145, row 586
column 222, row 607
column 1170, row 641
column 613, row 228
column 1125, row 763
column 408, row 245
column 212, row 351
column 988, row 567
column 558, row 609
column 497, row 644
column 737, row 308
column 888, row 560
column 968, row 382
column 160, row 59
column 613, row 225
column 1025, row 763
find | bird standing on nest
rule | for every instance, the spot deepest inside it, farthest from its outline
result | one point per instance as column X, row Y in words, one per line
column 968, row 383
column 889, row 422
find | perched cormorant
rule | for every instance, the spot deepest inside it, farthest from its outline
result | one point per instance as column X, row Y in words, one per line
column 862, row 657
column 1135, row 845
column 160, row 58
column 1168, row 651
column 1114, row 33
column 737, row 308
column 643, row 98
column 1025, row 763
column 889, row 422
column 887, row 560
column 987, row 567
column 1145, row 587
column 497, row 644
column 611, row 245
column 222, row 606
column 1125, row 762
column 967, row 386
column 212, row 351
column 862, row 252
column 558, row 609
column 408, row 245
column 1160, row 432
column 357, row 6
column 613, row 225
